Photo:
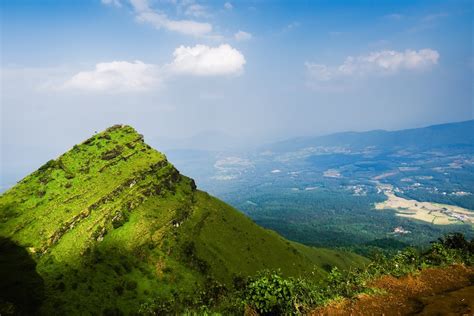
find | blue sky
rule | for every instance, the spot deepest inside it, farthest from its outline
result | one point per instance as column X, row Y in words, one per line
column 255, row 70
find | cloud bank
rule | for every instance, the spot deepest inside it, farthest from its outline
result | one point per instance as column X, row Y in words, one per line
column 381, row 62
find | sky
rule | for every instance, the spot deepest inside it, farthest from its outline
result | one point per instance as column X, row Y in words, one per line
column 247, row 71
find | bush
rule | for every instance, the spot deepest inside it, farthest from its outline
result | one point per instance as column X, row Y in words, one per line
column 439, row 255
column 347, row 284
column 269, row 293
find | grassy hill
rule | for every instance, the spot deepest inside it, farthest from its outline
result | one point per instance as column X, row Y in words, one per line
column 111, row 224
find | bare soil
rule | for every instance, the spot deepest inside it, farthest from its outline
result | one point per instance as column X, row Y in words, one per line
column 440, row 291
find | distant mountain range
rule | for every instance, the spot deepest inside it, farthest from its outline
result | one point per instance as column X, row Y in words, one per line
column 435, row 136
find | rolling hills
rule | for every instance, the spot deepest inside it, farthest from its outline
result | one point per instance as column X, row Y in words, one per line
column 324, row 191
column 111, row 224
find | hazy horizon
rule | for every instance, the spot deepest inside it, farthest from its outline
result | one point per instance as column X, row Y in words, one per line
column 239, row 146
column 258, row 72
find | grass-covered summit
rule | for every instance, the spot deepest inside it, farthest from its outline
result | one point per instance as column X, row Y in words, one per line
column 111, row 224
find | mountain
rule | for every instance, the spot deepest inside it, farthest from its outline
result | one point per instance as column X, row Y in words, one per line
column 111, row 224
column 435, row 136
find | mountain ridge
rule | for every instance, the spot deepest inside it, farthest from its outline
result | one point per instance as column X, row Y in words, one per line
column 379, row 137
column 112, row 223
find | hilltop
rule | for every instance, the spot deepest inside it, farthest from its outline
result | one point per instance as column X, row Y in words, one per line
column 111, row 224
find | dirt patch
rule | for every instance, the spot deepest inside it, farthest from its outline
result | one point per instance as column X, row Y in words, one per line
column 441, row 291
column 434, row 213
column 459, row 302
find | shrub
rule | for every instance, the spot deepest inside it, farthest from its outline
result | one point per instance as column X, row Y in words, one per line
column 269, row 293
column 50, row 164
column 345, row 284
column 439, row 255
column 403, row 263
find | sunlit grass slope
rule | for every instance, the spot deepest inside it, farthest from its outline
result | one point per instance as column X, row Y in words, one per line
column 111, row 224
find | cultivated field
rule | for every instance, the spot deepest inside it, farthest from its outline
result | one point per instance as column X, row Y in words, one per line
column 435, row 213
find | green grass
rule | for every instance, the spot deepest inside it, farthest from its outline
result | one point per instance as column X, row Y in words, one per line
column 112, row 224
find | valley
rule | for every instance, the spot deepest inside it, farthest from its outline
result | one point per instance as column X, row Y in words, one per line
column 323, row 191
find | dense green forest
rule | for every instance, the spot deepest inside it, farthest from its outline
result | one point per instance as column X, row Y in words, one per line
column 322, row 191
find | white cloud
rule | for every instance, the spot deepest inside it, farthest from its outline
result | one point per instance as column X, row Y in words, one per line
column 137, row 76
column 394, row 61
column 116, row 3
column 202, row 60
column 115, row 76
column 381, row 62
column 242, row 36
column 140, row 5
column 187, row 27
column 228, row 6
column 144, row 13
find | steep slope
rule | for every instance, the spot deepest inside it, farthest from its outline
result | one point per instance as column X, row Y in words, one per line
column 111, row 224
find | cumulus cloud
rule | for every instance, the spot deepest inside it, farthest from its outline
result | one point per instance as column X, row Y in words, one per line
column 202, row 60
column 119, row 76
column 137, row 76
column 242, row 36
column 381, row 62
column 228, row 6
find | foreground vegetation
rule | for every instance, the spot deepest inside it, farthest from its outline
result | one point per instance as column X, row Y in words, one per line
column 270, row 293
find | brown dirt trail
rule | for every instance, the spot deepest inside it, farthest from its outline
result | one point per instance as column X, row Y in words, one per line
column 440, row 291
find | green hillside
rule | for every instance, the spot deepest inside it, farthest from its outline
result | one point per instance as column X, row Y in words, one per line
column 111, row 224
